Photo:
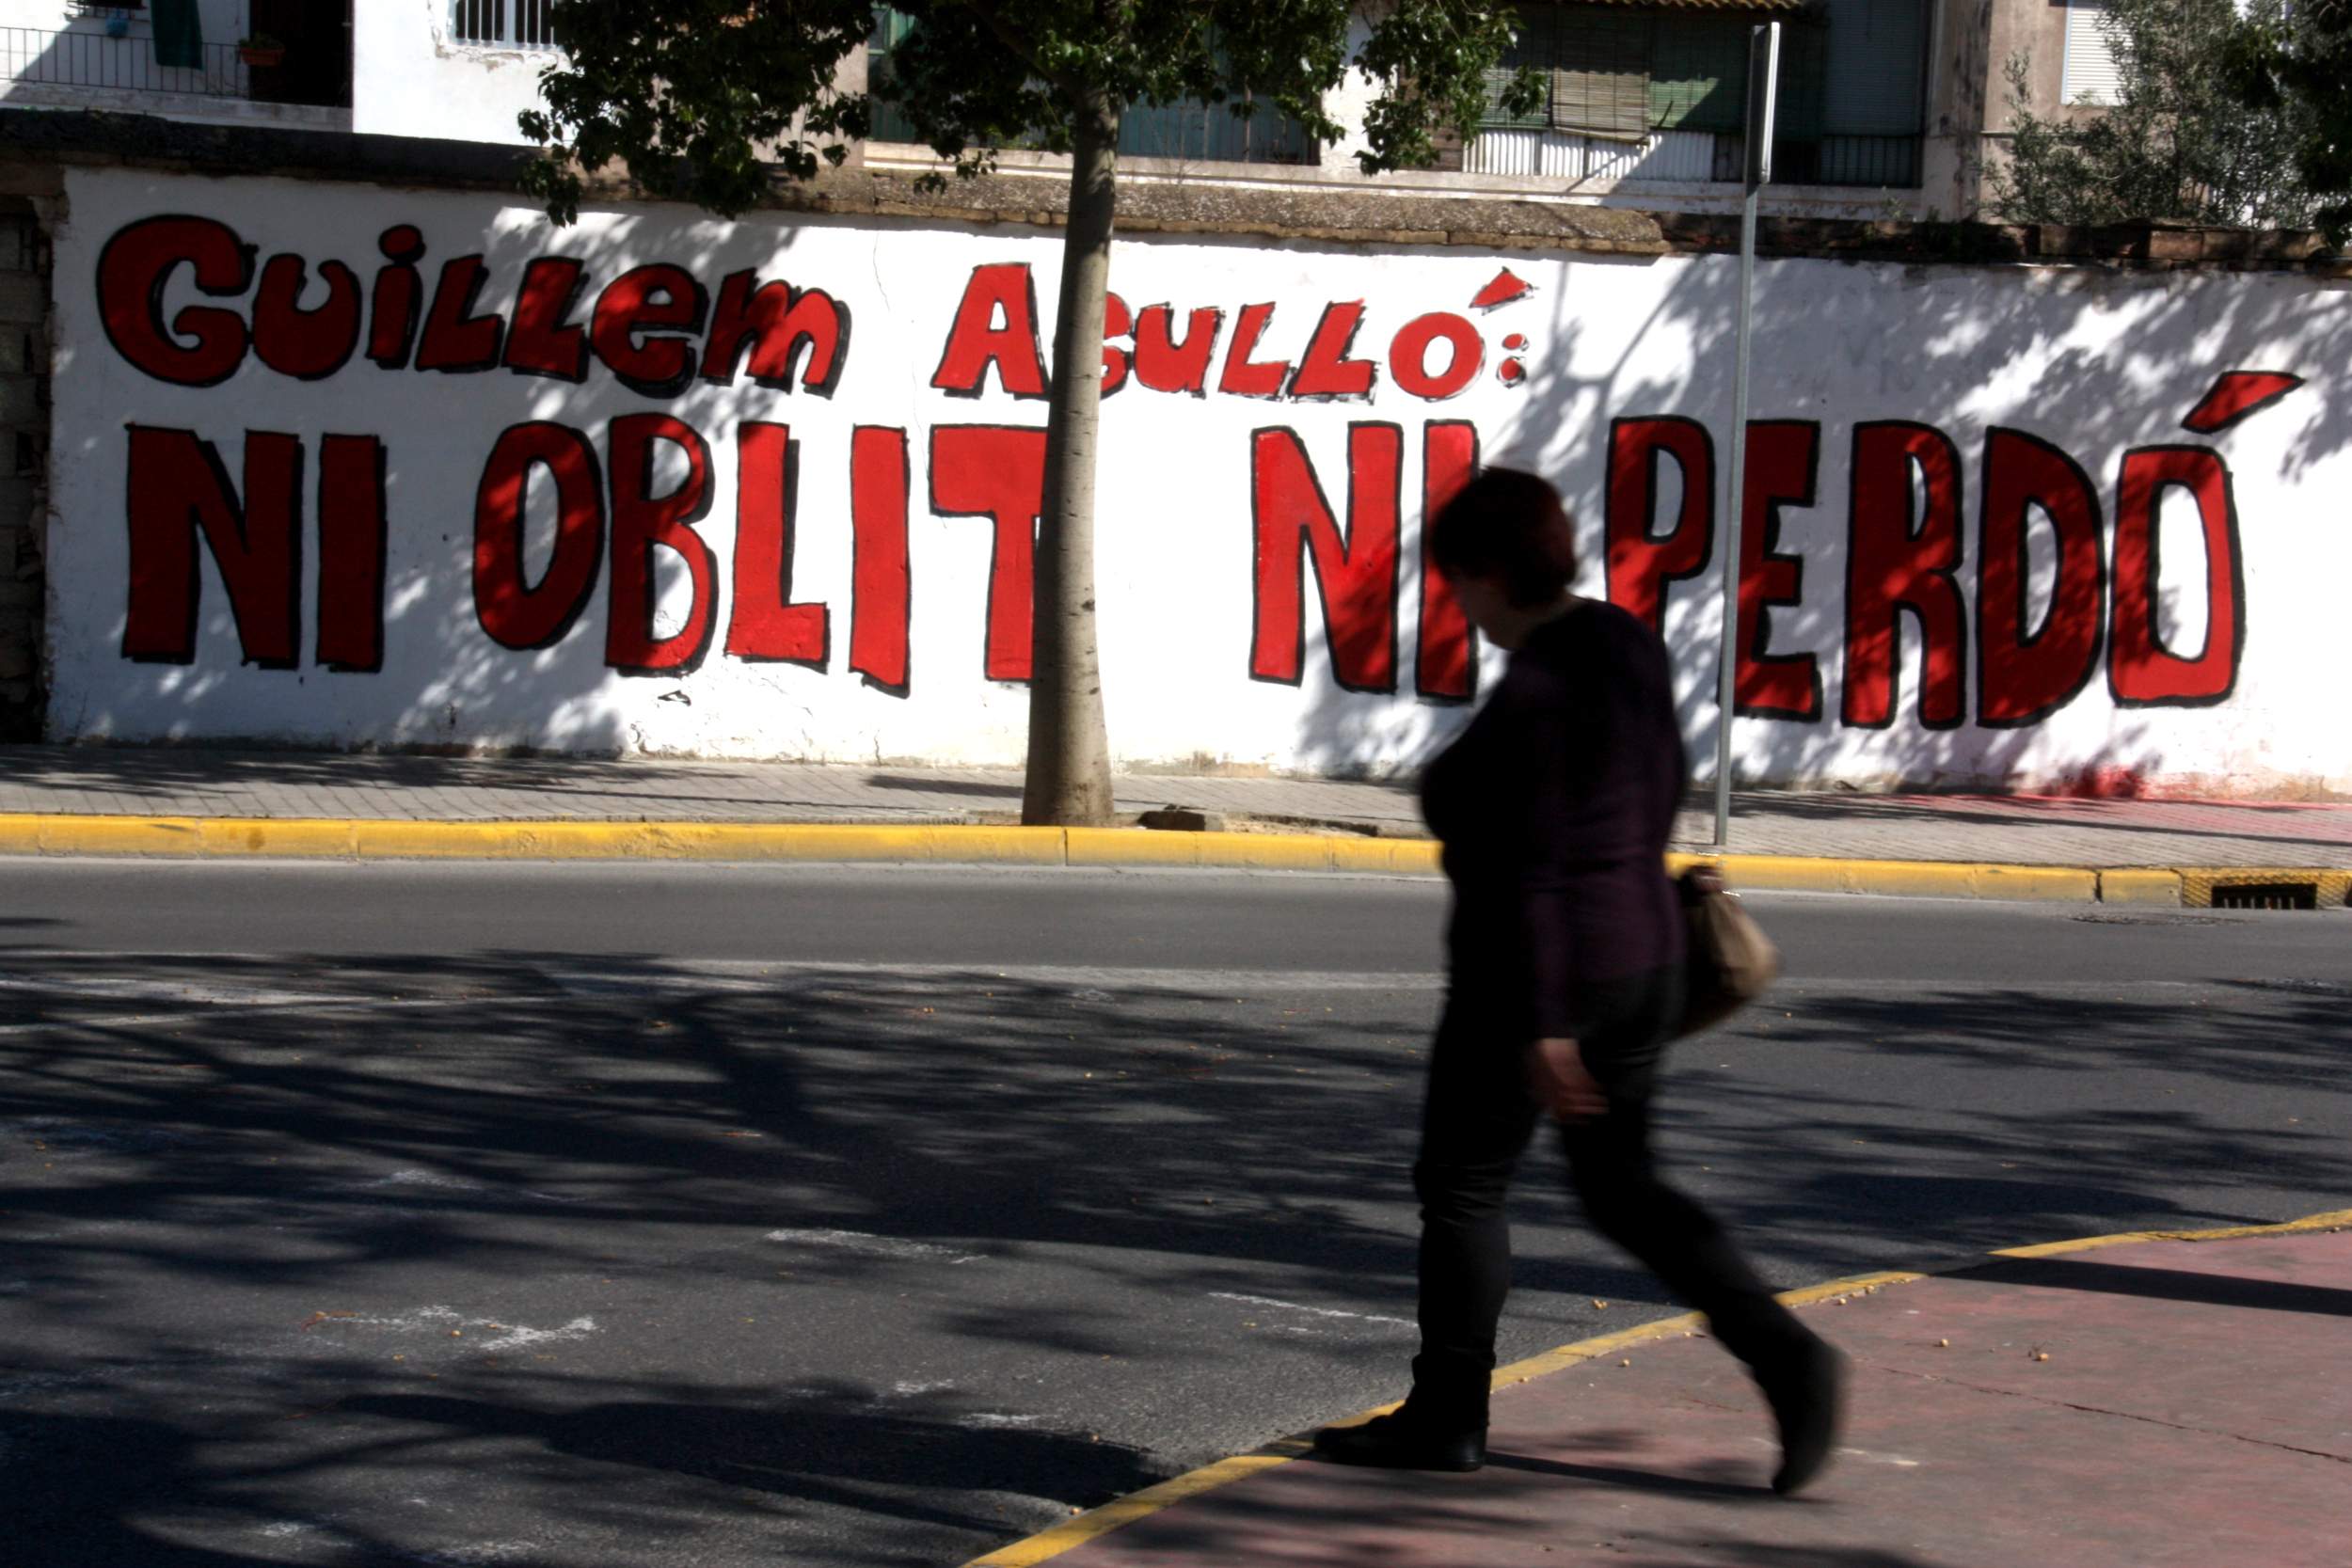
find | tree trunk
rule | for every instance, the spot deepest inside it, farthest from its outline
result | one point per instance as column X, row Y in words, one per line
column 1069, row 782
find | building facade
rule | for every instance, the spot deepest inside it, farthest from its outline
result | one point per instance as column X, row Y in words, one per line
column 1888, row 107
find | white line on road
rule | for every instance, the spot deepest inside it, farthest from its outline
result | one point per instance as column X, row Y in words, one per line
column 1312, row 1311
column 872, row 1246
column 443, row 1319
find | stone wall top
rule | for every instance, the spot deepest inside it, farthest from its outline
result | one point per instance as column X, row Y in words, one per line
column 36, row 143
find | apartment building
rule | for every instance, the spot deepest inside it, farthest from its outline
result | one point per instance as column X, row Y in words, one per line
column 1887, row 106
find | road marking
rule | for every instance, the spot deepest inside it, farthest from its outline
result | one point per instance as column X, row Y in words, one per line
column 873, row 1247
column 1097, row 1523
column 1312, row 1311
column 444, row 1319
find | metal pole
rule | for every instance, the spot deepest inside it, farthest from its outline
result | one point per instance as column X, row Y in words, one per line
column 1763, row 85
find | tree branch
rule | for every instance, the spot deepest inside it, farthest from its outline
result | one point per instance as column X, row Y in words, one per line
column 1011, row 38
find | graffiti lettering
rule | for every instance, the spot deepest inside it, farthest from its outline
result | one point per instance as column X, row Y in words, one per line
column 782, row 325
column 1783, row 456
column 351, row 544
column 544, row 339
column 1243, row 376
column 995, row 327
column 1356, row 575
column 1443, row 664
column 178, row 490
column 643, row 523
column 1902, row 557
column 2142, row 672
column 643, row 326
column 397, row 304
column 2025, row 672
column 765, row 624
column 512, row 611
column 1167, row 366
column 132, row 272
column 1326, row 374
column 997, row 472
column 308, row 345
column 1640, row 563
column 879, row 579
column 457, row 339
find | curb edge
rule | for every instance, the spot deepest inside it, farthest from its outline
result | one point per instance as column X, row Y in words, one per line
column 362, row 839
column 1098, row 1522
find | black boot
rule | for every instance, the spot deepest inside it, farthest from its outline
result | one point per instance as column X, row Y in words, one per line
column 1807, row 1395
column 1411, row 1439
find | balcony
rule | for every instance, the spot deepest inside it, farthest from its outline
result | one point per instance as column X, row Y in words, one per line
column 113, row 66
column 1693, row 157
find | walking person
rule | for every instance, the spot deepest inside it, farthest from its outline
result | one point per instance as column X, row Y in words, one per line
column 1565, row 952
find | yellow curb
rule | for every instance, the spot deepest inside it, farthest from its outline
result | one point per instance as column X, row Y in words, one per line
column 2140, row 887
column 2333, row 887
column 1096, row 1522
column 2335, row 1219
column 1909, row 878
column 116, row 835
column 180, row 836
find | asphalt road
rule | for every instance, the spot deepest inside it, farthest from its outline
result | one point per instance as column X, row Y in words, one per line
column 588, row 1215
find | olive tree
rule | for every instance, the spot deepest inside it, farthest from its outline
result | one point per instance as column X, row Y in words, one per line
column 2178, row 142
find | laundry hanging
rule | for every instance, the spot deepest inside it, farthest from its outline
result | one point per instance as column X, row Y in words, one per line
column 179, row 33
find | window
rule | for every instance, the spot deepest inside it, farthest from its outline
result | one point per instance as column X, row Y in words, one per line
column 1627, row 70
column 2092, row 74
column 506, row 23
column 1210, row 133
column 1852, row 81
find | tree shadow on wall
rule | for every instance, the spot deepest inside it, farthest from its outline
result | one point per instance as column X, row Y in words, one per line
column 2095, row 360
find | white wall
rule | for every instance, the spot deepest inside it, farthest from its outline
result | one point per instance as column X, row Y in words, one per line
column 2092, row 363
column 411, row 78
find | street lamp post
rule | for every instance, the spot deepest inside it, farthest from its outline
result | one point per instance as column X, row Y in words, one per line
column 1763, row 86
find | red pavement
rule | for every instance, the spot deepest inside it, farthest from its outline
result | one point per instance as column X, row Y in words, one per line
column 2195, row 1408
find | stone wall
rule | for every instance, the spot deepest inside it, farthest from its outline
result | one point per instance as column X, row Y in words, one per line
column 23, row 461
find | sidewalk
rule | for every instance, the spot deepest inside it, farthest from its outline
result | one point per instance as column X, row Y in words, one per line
column 2144, row 1404
column 186, row 787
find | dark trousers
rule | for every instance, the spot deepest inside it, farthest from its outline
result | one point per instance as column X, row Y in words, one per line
column 1479, row 1120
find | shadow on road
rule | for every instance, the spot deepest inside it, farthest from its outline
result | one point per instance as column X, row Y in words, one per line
column 167, row 1126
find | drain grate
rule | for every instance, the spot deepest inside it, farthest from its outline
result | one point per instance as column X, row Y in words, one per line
column 2265, row 896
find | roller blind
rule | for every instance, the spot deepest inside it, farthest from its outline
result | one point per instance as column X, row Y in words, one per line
column 1873, row 67
column 2091, row 75
column 1698, row 73
column 1601, row 70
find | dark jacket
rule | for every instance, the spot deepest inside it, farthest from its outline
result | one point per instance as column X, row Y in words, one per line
column 1555, row 807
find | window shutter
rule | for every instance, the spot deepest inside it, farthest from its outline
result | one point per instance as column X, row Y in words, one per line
column 2092, row 73
column 1601, row 70
column 1874, row 68
column 1698, row 74
column 1534, row 27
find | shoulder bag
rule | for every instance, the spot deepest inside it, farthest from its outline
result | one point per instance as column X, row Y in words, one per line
column 1731, row 961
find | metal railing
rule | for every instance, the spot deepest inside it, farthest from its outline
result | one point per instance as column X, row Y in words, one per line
column 1198, row 133
column 93, row 59
column 1693, row 158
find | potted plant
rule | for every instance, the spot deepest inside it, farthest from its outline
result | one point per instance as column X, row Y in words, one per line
column 260, row 49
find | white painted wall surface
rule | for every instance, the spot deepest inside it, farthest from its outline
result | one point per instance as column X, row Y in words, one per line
column 2094, row 363
column 412, row 78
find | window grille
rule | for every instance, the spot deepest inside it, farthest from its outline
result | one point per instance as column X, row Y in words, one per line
column 505, row 23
